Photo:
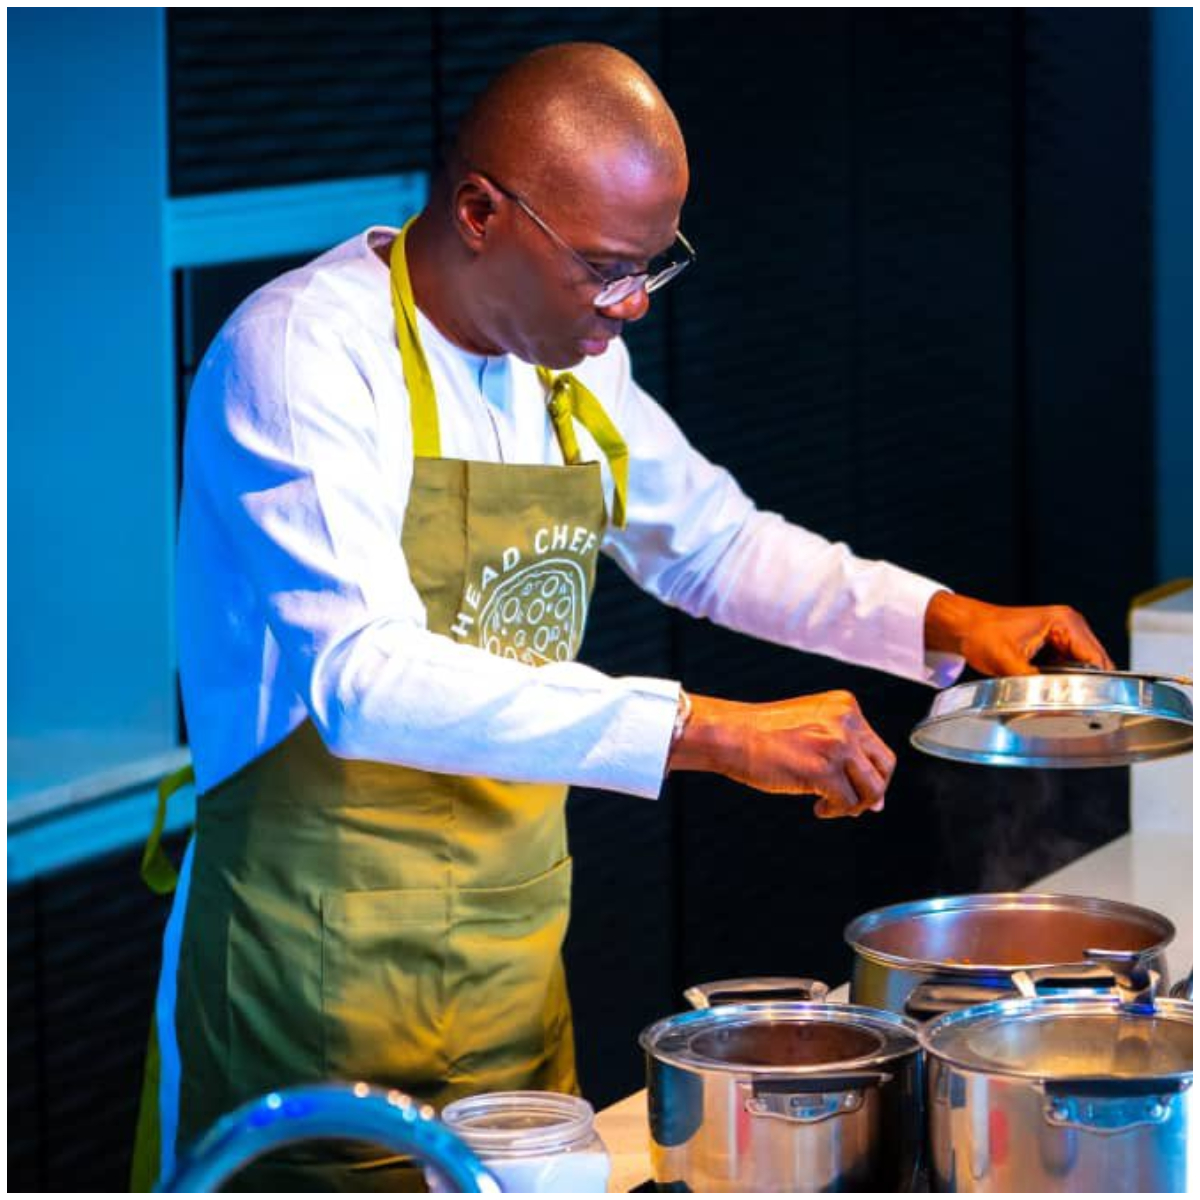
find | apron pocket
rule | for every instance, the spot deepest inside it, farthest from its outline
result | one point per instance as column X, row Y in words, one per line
column 383, row 987
column 508, row 1018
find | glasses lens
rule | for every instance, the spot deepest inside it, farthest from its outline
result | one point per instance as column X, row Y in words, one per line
column 661, row 271
column 618, row 290
column 666, row 275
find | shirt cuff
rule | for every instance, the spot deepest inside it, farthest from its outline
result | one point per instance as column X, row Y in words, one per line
column 638, row 745
column 905, row 634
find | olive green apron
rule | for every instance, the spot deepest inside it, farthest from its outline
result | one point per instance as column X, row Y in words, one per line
column 358, row 920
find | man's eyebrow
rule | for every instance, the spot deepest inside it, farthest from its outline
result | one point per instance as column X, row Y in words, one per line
column 618, row 258
column 609, row 260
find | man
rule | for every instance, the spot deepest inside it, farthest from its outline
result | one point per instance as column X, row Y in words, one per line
column 401, row 463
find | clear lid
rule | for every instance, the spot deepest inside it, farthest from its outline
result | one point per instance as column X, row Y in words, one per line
column 1067, row 1038
column 515, row 1124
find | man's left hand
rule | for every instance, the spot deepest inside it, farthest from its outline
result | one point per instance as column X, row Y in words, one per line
column 996, row 640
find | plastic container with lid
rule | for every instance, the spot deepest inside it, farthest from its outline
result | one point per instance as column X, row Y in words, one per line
column 531, row 1141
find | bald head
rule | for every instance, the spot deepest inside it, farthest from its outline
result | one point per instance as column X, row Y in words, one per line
column 568, row 170
column 556, row 118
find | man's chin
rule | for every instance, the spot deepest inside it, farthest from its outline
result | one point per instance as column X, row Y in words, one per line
column 562, row 360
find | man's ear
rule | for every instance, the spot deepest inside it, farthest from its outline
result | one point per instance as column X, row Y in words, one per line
column 475, row 204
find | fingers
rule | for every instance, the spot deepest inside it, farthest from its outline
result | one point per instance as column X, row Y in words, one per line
column 1066, row 634
column 869, row 784
column 1010, row 640
column 868, row 769
column 1083, row 645
column 881, row 757
column 837, row 797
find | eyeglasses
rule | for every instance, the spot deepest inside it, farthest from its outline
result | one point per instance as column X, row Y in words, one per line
column 659, row 271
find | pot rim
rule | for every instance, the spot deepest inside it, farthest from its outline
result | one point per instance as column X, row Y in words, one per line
column 994, row 901
column 1023, row 1008
column 904, row 1030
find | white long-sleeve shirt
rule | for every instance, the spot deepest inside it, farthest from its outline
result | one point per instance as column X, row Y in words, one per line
column 296, row 602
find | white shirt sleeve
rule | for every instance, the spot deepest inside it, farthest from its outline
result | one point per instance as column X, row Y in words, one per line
column 697, row 542
column 285, row 446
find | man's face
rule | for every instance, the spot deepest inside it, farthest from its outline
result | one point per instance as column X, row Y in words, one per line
column 620, row 217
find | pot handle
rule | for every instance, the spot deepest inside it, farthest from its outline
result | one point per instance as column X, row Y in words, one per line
column 1135, row 983
column 933, row 998
column 1183, row 989
column 801, row 1101
column 1111, row 1105
column 756, row 990
column 1121, row 971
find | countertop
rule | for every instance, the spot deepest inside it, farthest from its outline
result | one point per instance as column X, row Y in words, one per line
column 1148, row 867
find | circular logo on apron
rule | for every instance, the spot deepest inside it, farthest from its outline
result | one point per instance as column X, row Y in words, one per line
column 536, row 614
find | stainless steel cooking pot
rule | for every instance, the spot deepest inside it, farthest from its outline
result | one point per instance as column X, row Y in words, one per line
column 927, row 957
column 1060, row 1094
column 784, row 1097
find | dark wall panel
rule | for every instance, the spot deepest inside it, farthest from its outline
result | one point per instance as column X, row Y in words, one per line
column 762, row 330
column 261, row 97
column 26, row 1075
column 91, row 937
column 936, row 471
column 1087, row 309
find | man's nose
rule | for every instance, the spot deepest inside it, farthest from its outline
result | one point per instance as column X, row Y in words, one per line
column 633, row 308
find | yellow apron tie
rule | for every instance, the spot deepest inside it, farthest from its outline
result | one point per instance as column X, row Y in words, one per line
column 566, row 396
column 427, row 442
column 158, row 871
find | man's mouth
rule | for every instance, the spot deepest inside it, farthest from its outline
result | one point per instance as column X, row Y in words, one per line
column 598, row 342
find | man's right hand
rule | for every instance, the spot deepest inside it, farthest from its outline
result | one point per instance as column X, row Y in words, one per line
column 817, row 745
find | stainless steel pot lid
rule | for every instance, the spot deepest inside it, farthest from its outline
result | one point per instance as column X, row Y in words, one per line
column 787, row 1038
column 1077, row 1037
column 1075, row 718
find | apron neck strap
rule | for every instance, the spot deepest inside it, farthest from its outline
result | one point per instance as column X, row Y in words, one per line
column 427, row 440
